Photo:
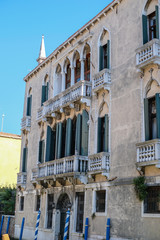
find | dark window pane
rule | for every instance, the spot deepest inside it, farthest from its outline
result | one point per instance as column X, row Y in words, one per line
column 50, row 211
column 21, row 203
column 80, row 211
column 100, row 201
column 152, row 201
column 152, row 25
column 38, row 202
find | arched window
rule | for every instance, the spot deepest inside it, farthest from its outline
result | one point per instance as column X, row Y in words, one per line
column 150, row 21
column 104, row 51
column 45, row 90
column 77, row 67
column 29, row 102
column 67, row 69
column 58, row 80
column 87, row 63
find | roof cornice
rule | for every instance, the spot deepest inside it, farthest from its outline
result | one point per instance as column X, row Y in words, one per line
column 72, row 37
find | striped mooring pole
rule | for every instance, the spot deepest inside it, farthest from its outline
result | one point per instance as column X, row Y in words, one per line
column 108, row 229
column 22, row 225
column 8, row 225
column 86, row 229
column 37, row 224
column 66, row 225
column 2, row 220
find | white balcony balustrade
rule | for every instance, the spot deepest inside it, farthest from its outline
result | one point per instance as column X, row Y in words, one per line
column 21, row 178
column 148, row 153
column 72, row 164
column 99, row 162
column 80, row 92
column 26, row 123
column 102, row 80
column 149, row 53
column 34, row 174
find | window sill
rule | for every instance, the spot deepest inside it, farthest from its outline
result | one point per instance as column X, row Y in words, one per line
column 150, row 215
column 100, row 214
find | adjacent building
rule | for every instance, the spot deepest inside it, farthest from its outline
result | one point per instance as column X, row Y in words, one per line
column 91, row 124
column 10, row 147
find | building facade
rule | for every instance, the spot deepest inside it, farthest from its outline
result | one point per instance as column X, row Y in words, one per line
column 91, row 124
column 10, row 148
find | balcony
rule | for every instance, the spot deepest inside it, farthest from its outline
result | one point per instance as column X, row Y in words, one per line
column 71, row 166
column 149, row 53
column 26, row 123
column 78, row 93
column 102, row 80
column 21, row 179
column 34, row 175
column 99, row 163
column 148, row 153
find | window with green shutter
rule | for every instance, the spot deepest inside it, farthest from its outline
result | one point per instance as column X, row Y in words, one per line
column 104, row 56
column 50, row 144
column 150, row 25
column 29, row 105
column 152, row 117
column 44, row 96
column 78, row 134
column 41, row 151
column 24, row 161
column 102, row 134
column 84, row 134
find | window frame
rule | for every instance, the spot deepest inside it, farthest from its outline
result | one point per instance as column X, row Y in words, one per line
column 36, row 200
column 148, row 215
column 86, row 70
column 150, row 18
column 99, row 214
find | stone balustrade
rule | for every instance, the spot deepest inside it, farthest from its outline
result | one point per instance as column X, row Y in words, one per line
column 34, row 174
column 99, row 162
column 148, row 153
column 81, row 91
column 101, row 80
column 71, row 164
column 149, row 53
column 21, row 178
column 26, row 123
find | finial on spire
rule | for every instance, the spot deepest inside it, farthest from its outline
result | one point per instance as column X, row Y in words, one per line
column 42, row 52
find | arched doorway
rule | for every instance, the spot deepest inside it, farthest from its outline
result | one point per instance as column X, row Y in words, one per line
column 63, row 205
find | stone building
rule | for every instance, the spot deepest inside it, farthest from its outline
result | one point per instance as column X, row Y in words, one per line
column 91, row 124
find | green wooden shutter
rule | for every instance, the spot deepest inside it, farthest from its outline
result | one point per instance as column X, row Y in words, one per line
column 108, row 54
column 68, row 138
column 59, row 153
column 144, row 29
column 53, row 145
column 48, row 144
column 99, row 135
column 157, row 22
column 43, row 97
column 84, row 139
column 158, row 113
column 78, row 134
column 146, row 119
column 57, row 136
column 106, row 133
column 24, row 163
column 29, row 104
column 100, row 58
column 41, row 151
column 47, row 90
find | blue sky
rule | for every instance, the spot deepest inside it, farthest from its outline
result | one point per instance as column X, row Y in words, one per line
column 22, row 23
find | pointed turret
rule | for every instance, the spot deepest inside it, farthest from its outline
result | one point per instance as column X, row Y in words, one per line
column 42, row 52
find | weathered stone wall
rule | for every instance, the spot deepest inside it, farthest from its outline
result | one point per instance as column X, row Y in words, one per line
column 11, row 225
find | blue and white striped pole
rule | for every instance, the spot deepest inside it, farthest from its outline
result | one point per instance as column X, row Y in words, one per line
column 37, row 225
column 108, row 229
column 66, row 225
column 1, row 225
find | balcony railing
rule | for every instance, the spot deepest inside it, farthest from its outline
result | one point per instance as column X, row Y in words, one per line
column 148, row 153
column 26, row 123
column 80, row 91
column 149, row 53
column 99, row 162
column 21, row 178
column 102, row 79
column 72, row 164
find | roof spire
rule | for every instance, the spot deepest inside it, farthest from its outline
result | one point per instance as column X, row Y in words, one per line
column 42, row 52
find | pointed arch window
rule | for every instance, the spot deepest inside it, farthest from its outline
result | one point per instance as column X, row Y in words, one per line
column 77, row 70
column 68, row 76
column 45, row 89
column 87, row 67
